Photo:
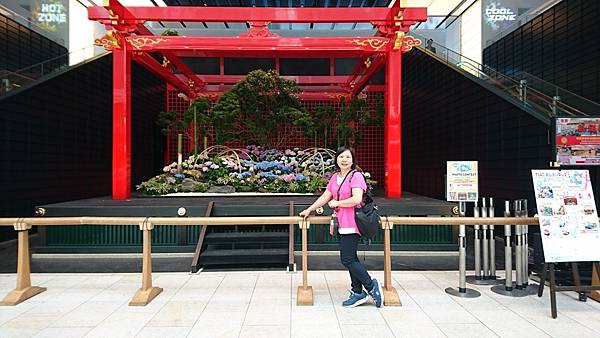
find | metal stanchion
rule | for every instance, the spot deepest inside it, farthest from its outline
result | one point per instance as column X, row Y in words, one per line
column 529, row 289
column 518, row 248
column 477, row 243
column 520, row 287
column 508, row 284
column 485, row 245
column 462, row 290
column 476, row 278
column 491, row 213
column 525, row 248
column 508, row 288
column 482, row 246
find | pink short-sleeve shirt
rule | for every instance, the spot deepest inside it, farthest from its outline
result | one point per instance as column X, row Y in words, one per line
column 345, row 215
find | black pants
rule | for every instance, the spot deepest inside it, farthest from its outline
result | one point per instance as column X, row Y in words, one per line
column 358, row 273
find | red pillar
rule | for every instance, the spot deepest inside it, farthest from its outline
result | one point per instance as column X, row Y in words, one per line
column 392, row 124
column 121, row 145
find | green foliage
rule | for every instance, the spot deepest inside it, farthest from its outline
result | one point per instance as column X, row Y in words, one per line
column 199, row 114
column 255, row 108
column 377, row 120
column 158, row 185
column 225, row 118
column 200, row 107
column 323, row 118
column 352, row 114
column 169, row 32
column 168, row 121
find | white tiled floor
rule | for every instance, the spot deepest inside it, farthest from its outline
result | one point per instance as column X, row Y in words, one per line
column 263, row 304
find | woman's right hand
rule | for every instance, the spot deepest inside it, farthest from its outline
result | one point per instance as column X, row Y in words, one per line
column 305, row 213
column 331, row 230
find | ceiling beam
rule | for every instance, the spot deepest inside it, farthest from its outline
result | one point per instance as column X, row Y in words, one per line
column 268, row 14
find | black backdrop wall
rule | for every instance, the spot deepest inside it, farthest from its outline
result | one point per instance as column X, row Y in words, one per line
column 446, row 116
column 56, row 137
column 21, row 47
column 560, row 46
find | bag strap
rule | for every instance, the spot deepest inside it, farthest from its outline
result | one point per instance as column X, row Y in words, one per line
column 337, row 198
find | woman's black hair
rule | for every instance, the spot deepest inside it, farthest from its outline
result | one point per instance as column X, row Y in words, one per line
column 340, row 151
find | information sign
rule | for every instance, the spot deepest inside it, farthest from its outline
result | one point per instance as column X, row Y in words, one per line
column 567, row 215
column 462, row 181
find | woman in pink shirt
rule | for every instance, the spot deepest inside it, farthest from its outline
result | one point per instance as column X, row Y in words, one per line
column 345, row 191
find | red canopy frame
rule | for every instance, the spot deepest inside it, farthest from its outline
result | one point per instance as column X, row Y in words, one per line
column 129, row 40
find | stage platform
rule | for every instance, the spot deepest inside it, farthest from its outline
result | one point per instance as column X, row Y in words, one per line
column 259, row 205
column 172, row 239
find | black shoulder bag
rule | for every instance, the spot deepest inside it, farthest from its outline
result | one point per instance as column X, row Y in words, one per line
column 366, row 217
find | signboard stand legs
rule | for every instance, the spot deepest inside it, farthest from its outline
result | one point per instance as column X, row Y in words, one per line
column 462, row 290
column 549, row 269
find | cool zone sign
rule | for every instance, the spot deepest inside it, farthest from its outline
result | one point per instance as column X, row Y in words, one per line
column 500, row 14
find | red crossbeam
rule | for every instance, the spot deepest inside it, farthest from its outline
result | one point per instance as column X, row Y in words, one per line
column 242, row 44
column 301, row 80
column 156, row 68
column 268, row 14
column 174, row 60
column 362, row 82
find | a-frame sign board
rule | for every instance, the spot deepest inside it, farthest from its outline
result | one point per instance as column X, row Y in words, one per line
column 568, row 225
column 549, row 273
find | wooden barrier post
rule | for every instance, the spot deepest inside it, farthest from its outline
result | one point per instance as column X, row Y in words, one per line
column 304, row 296
column 24, row 290
column 291, row 263
column 147, row 292
column 390, row 295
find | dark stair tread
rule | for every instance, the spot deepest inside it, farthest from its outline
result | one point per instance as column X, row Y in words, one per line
column 245, row 252
column 247, row 235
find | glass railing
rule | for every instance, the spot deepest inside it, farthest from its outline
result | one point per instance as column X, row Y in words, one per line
column 532, row 92
column 13, row 80
column 27, row 22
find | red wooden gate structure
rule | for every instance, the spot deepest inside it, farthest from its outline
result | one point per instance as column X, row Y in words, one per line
column 129, row 39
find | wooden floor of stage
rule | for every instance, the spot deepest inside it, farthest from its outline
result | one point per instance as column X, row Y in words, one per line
column 409, row 205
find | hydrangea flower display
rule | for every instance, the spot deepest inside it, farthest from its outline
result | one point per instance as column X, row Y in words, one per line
column 251, row 169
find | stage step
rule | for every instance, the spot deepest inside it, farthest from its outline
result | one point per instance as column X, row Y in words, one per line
column 227, row 237
column 248, row 247
column 275, row 257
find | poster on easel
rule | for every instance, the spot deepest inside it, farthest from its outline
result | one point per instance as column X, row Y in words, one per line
column 462, row 183
column 567, row 215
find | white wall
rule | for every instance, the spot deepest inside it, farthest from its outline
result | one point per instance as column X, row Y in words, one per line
column 453, row 36
column 470, row 33
column 81, row 34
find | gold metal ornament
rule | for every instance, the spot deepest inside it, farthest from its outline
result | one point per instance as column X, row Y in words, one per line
column 109, row 41
column 374, row 43
column 139, row 43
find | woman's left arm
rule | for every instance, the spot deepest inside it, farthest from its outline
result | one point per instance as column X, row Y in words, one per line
column 356, row 198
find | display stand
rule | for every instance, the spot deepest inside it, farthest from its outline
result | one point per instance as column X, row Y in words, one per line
column 548, row 271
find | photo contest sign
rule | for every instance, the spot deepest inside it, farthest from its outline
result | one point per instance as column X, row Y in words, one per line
column 462, row 183
column 567, row 215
